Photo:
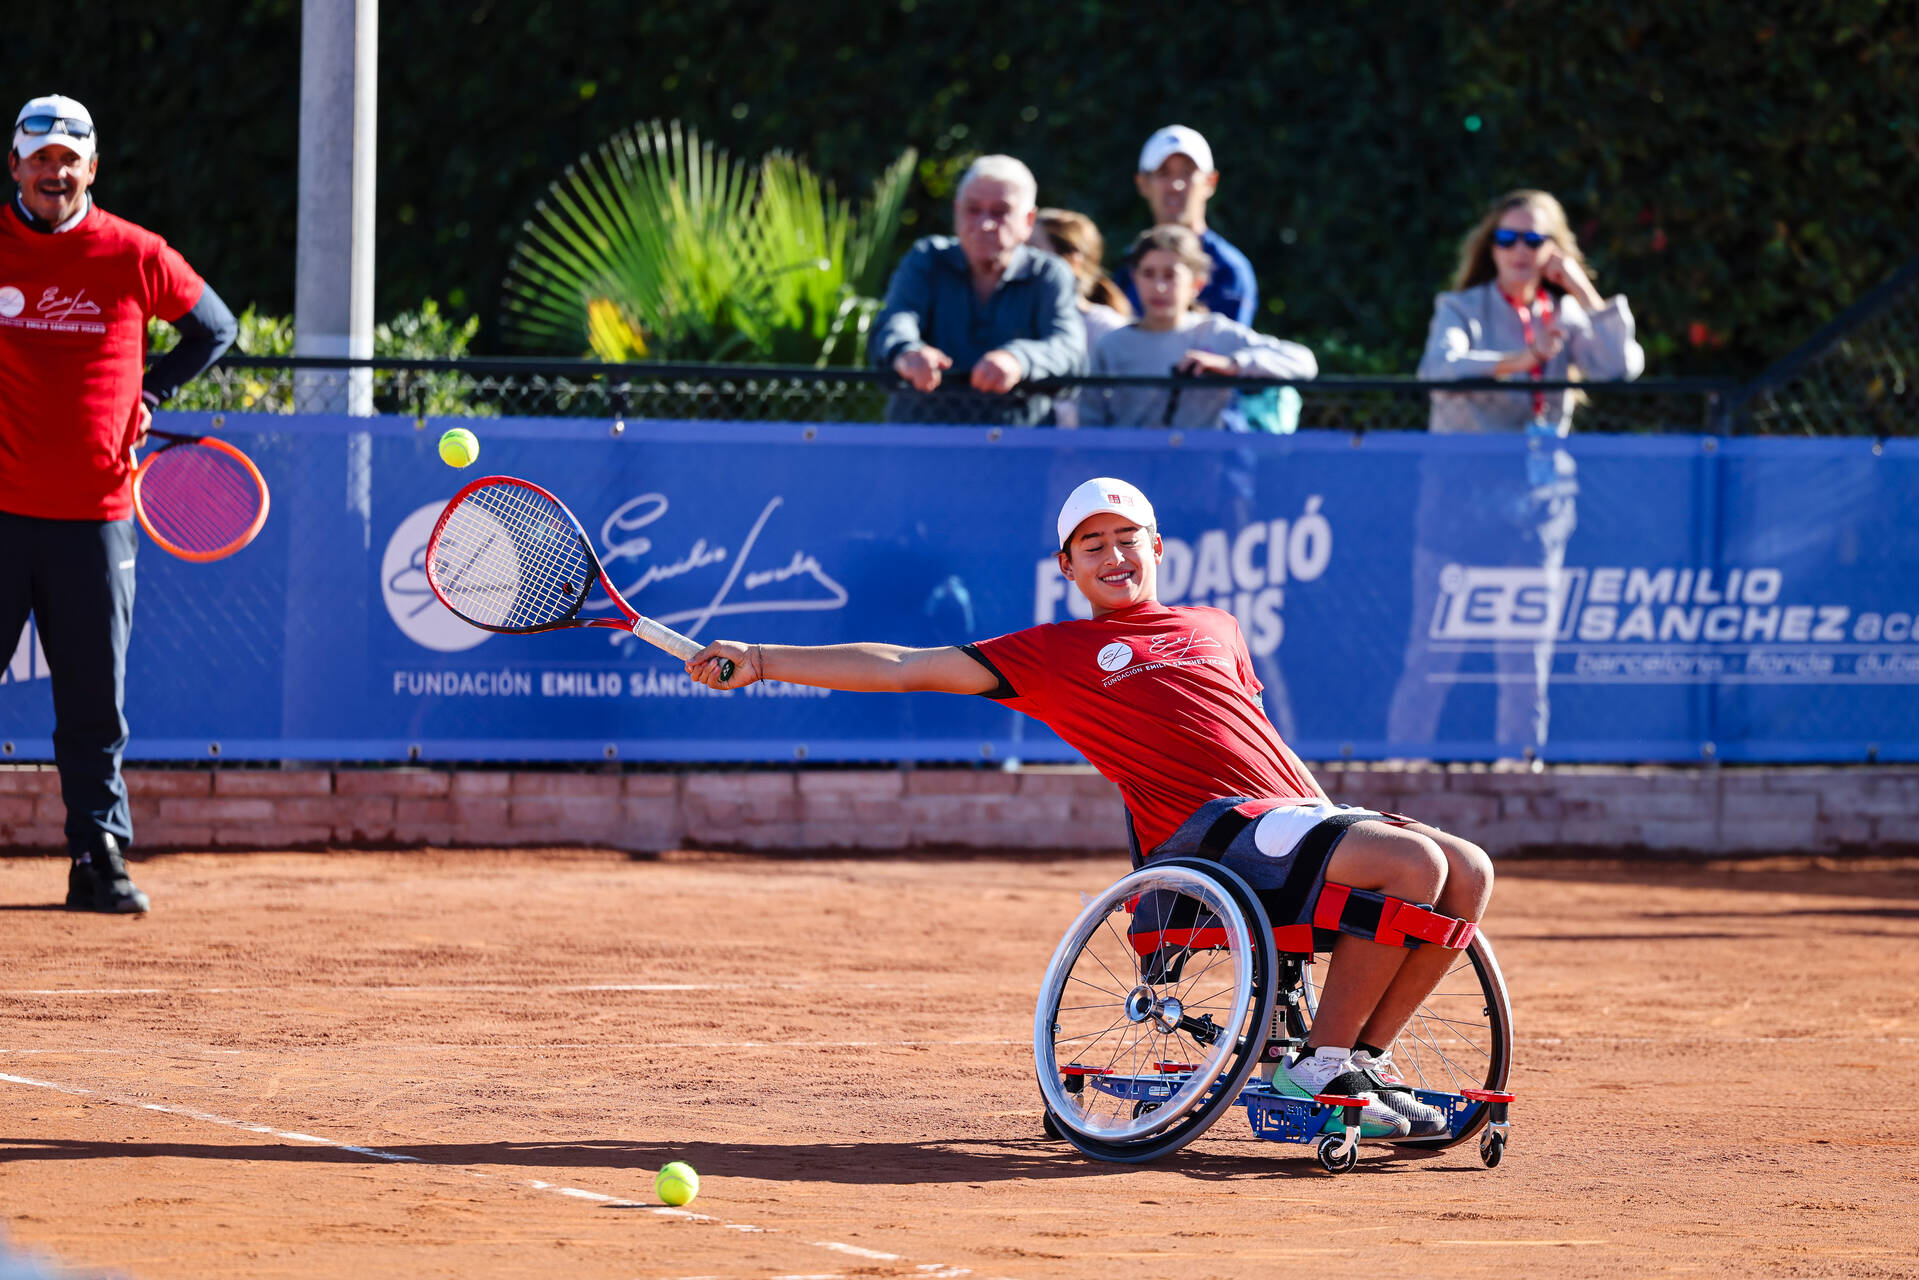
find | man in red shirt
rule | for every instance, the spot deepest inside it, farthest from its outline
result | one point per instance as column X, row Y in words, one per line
column 77, row 286
column 1163, row 701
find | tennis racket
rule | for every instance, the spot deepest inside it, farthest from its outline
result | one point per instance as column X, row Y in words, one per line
column 508, row 556
column 198, row 497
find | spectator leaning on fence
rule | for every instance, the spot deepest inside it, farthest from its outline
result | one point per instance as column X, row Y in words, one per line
column 982, row 306
column 77, row 286
column 1523, row 306
column 1177, row 179
column 1175, row 337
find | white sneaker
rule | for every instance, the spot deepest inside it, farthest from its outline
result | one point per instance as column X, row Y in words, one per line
column 1334, row 1071
column 1397, row 1095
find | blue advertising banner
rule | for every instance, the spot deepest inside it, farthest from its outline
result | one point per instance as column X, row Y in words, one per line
column 1600, row 598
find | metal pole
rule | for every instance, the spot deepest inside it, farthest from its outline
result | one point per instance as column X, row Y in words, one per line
column 333, row 271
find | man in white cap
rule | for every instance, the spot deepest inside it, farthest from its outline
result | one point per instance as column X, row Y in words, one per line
column 1176, row 177
column 77, row 287
column 1164, row 702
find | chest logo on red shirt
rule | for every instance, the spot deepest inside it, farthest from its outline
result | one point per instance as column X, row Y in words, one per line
column 12, row 301
column 1177, row 646
column 1116, row 656
column 55, row 307
column 1161, row 654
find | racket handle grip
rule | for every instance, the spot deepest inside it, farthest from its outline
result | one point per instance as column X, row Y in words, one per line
column 673, row 642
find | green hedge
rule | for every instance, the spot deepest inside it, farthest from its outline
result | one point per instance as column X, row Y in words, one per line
column 1740, row 177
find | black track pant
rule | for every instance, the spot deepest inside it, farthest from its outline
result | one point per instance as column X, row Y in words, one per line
column 76, row 578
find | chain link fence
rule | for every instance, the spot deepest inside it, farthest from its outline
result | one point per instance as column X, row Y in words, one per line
column 760, row 393
column 1858, row 376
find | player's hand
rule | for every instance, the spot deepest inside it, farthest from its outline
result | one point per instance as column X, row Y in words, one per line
column 705, row 665
column 922, row 366
column 1196, row 364
column 997, row 371
column 142, row 423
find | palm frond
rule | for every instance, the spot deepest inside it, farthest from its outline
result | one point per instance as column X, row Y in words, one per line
column 659, row 246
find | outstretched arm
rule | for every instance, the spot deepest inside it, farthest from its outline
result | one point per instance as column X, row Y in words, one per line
column 855, row 668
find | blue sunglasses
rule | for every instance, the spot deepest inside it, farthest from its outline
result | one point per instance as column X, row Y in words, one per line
column 41, row 126
column 1506, row 238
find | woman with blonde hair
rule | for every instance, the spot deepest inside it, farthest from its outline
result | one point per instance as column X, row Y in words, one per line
column 1523, row 306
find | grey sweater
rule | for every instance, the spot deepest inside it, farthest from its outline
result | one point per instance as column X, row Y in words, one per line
column 1474, row 328
column 1143, row 352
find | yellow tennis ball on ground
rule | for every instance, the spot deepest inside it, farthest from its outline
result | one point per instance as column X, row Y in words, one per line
column 459, row 447
column 676, row 1183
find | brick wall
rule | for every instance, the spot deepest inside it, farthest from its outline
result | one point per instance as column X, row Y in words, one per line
column 1577, row 809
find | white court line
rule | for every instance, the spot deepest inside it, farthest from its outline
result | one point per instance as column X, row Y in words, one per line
column 486, row 988
column 526, row 1046
column 537, row 1046
column 574, row 1193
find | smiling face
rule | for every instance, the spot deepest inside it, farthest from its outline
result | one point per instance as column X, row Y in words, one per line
column 992, row 218
column 1519, row 265
column 53, row 181
column 1178, row 191
column 1114, row 561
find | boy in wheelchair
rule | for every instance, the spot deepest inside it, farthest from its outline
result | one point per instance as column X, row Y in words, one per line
column 1164, row 702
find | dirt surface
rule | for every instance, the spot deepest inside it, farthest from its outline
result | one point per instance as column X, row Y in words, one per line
column 472, row 1064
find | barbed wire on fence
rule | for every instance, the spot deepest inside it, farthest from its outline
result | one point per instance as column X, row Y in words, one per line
column 762, row 393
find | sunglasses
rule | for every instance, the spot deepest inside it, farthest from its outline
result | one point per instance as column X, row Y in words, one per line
column 1506, row 238
column 40, row 126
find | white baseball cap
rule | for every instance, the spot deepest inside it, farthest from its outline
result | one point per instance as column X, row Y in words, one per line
column 1175, row 140
column 1102, row 493
column 54, row 118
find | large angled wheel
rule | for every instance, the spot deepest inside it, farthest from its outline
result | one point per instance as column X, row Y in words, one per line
column 1164, row 982
column 1461, row 1036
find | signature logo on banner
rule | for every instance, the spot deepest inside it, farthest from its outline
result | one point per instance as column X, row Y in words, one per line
column 625, row 547
column 798, row 584
column 409, row 600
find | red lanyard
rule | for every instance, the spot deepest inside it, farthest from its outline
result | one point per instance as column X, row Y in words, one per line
column 1544, row 301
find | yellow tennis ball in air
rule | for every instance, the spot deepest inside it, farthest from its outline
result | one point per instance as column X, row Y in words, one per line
column 459, row 447
column 676, row 1183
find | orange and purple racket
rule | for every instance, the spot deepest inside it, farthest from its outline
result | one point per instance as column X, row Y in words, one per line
column 199, row 497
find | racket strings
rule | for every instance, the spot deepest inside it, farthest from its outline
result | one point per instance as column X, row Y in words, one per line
column 200, row 499
column 507, row 556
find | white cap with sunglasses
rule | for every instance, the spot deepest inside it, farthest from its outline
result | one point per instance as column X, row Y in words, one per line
column 53, row 119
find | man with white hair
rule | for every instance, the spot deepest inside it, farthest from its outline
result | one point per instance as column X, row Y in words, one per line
column 77, row 287
column 980, row 310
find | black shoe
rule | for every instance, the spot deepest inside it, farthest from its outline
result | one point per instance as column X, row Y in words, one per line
column 101, row 882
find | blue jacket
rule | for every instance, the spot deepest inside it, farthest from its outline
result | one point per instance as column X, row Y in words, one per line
column 1033, row 315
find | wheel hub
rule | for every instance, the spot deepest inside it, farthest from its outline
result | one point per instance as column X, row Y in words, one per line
column 1143, row 1006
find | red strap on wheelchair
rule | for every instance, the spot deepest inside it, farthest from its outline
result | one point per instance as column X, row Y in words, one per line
column 1331, row 906
column 1410, row 920
column 1344, row 909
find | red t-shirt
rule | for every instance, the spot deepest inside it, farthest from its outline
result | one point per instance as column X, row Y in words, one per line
column 73, row 344
column 1161, row 700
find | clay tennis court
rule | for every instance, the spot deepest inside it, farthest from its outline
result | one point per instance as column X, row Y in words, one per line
column 472, row 1063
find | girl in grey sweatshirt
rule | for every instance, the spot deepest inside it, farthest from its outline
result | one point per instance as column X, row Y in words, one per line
column 1175, row 338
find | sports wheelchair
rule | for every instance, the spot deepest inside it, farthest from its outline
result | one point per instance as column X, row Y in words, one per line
column 1171, row 990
